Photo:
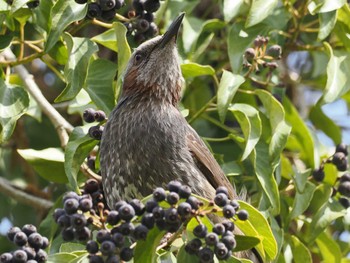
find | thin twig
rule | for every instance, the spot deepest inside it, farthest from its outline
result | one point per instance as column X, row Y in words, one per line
column 9, row 190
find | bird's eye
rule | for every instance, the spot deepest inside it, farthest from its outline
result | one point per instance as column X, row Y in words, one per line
column 138, row 57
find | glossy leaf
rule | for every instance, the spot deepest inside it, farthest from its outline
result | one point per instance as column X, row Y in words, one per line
column 48, row 163
column 231, row 8
column 249, row 120
column 327, row 23
column 14, row 101
column 338, row 82
column 245, row 242
column 183, row 256
column 80, row 51
column 342, row 27
column 322, row 122
column 123, row 47
column 107, row 39
column 228, row 86
column 64, row 12
column 71, row 247
column 78, row 147
column 324, row 6
column 322, row 193
column 99, row 84
column 329, row 249
column 191, row 70
column 300, row 252
column 43, row 15
column 302, row 200
column 17, row 4
column 256, row 15
column 61, row 258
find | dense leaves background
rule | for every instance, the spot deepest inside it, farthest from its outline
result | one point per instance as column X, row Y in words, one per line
column 268, row 128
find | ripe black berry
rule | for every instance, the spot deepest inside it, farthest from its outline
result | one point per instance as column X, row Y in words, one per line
column 126, row 228
column 211, row 239
column 194, row 202
column 107, row 4
column 159, row 194
column 228, row 211
column 94, row 10
column 69, row 195
column 12, row 232
column 19, row 256
column 174, row 186
column 138, row 206
column 343, row 188
column 185, row 191
column 126, row 254
column 46, row 243
column 85, row 204
column 20, row 238
column 140, row 232
column 35, row 240
column 205, row 254
column 95, row 259
column 92, row 247
column 30, row 252
column 229, row 225
column 118, row 239
column 345, row 178
column 222, row 189
column 95, row 132
column 103, row 235
column 221, row 199
column 58, row 213
column 89, row 115
column 193, row 246
column 119, row 204
column 219, row 228
column 171, row 215
column 113, row 218
column 318, row 174
column 78, row 220
column 229, row 241
column 148, row 220
column 345, row 202
column 126, row 212
column 242, row 215
column 172, row 198
column 71, row 206
column 64, row 221
column 158, row 212
column 91, row 163
column 342, row 148
column 29, row 229
column 150, row 205
column 221, row 251
column 112, row 259
column 184, row 209
column 200, row 231
column 151, row 5
column 137, row 5
column 33, row 4
column 107, row 248
column 41, row 256
column 91, row 186
column 81, row 1
column 68, row 234
column 100, row 115
column 6, row 257
column 338, row 158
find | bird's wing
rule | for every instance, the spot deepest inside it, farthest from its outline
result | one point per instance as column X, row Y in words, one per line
column 207, row 163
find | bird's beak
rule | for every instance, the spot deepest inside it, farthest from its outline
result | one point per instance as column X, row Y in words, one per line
column 172, row 31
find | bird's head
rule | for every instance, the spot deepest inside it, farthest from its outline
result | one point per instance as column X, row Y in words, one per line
column 154, row 69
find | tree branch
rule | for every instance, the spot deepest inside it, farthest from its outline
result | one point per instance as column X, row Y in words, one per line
column 62, row 126
column 9, row 190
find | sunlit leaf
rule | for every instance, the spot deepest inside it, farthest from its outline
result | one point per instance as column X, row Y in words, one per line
column 191, row 70
column 256, row 15
column 327, row 23
column 107, row 39
column 300, row 252
column 324, row 6
column 231, row 8
column 302, row 200
column 329, row 249
column 123, row 47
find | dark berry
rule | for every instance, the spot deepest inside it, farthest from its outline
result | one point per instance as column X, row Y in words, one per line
column 151, row 5
column 126, row 228
column 148, row 16
column 148, row 220
column 242, row 215
column 172, row 227
column 229, row 225
column 6, row 257
column 118, row 4
column 345, row 178
column 70, row 195
column 345, row 202
column 343, row 188
column 138, row 206
column 95, row 259
column 229, row 241
column 89, row 115
column 205, row 254
column 235, row 204
column 107, row 248
column 35, row 240
column 85, row 204
column 274, row 51
column 33, row 4
column 119, row 204
column 159, row 194
column 185, row 191
column 194, row 202
column 228, row 211
column 171, row 215
column 30, row 252
column 58, row 213
column 29, row 229
column 94, row 10
column 140, row 232
column 152, row 30
column 78, row 220
column 118, row 239
column 142, row 25
column 68, row 234
column 200, row 231
column 338, row 158
column 92, row 247
column 150, row 205
column 158, row 212
column 126, row 212
column 126, row 254
column 46, row 243
column 222, row 189
column 107, row 4
column 102, row 235
column 91, row 186
column 20, row 238
column 343, row 166
column 221, row 251
column 64, row 221
column 137, row 5
column 12, row 232
column 95, row 132
column 258, row 41
column 211, row 239
column 81, row 1
column 71, row 206
column 174, row 186
column 113, row 218
column 193, row 246
column 91, row 163
column 41, row 256
column 342, row 148
column 172, row 198
column 161, row 224
column 249, row 54
column 100, row 115
column 184, row 209
column 318, row 174
column 19, row 256
column 221, row 199
column 219, row 228
column 112, row 259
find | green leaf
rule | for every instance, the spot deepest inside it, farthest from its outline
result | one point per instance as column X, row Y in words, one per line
column 59, row 53
column 322, row 193
column 256, row 15
column 78, row 147
column 257, row 226
column 184, row 257
column 324, row 6
column 43, row 15
column 231, row 8
column 192, row 27
column 300, row 133
column 17, row 4
column 327, row 23
column 5, row 40
column 14, row 101
column 107, row 39
column 249, row 120
column 228, row 87
column 71, row 247
column 123, row 48
column 61, row 258
column 146, row 250
column 342, row 27
column 48, row 163
column 99, row 84
column 322, row 122
column 300, row 252
column 302, row 200
column 338, row 82
column 191, row 70
column 80, row 51
column 64, row 12
column 245, row 242
column 329, row 249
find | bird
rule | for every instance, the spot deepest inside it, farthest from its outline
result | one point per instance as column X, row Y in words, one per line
column 146, row 141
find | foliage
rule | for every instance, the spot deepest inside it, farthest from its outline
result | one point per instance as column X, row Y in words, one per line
column 247, row 102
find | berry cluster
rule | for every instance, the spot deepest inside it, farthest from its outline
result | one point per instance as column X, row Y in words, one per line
column 127, row 222
column 344, row 189
column 141, row 24
column 90, row 115
column 31, row 4
column 31, row 246
column 262, row 55
column 104, row 10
